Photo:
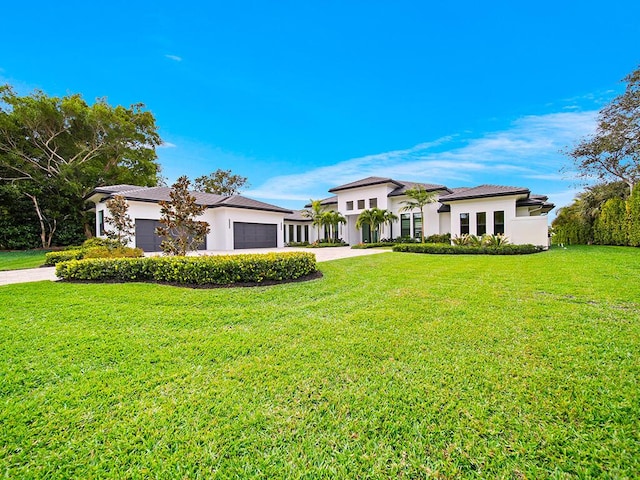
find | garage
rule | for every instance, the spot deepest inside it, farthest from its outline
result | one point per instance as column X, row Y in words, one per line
column 146, row 237
column 255, row 235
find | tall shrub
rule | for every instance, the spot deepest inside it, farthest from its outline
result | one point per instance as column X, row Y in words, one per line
column 611, row 225
column 633, row 218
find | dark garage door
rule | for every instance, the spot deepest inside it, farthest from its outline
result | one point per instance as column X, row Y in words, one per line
column 255, row 235
column 146, row 237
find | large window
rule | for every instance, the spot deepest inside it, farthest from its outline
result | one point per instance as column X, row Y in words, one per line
column 464, row 224
column 350, row 205
column 306, row 233
column 291, row 239
column 366, row 233
column 373, row 203
column 299, row 233
column 360, row 204
column 405, row 225
column 498, row 222
column 481, row 223
column 417, row 225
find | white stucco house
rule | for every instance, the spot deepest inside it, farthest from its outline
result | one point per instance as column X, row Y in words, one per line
column 493, row 209
column 238, row 222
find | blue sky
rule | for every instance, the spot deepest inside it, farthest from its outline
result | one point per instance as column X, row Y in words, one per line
column 303, row 96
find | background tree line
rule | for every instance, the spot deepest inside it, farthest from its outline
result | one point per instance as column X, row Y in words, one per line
column 607, row 213
column 55, row 150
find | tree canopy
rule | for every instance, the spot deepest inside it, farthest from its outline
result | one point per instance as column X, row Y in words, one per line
column 220, row 182
column 613, row 152
column 55, row 150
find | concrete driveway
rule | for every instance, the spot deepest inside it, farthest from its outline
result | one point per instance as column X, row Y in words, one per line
column 322, row 255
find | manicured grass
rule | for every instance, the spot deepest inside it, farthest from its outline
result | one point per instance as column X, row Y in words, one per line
column 391, row 365
column 21, row 259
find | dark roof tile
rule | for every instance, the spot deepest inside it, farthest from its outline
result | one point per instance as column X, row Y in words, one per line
column 484, row 191
column 365, row 182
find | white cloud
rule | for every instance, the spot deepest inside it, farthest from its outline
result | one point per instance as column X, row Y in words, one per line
column 530, row 149
column 167, row 145
column 175, row 58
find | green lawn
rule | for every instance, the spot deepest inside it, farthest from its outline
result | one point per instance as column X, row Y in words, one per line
column 391, row 365
column 22, row 259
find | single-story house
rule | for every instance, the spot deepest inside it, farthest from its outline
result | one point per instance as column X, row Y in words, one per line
column 493, row 209
column 236, row 222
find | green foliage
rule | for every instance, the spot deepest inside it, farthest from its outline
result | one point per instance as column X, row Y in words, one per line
column 436, row 248
column 181, row 231
column 325, row 243
column 54, row 151
column 205, row 270
column 633, row 220
column 220, row 182
column 418, row 199
column 443, row 238
column 364, row 246
column 332, row 219
column 435, row 367
column 375, row 217
column 93, row 249
column 123, row 226
column 298, row 244
column 315, row 213
column 610, row 227
column 613, row 152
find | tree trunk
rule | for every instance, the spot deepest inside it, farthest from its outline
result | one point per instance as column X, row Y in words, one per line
column 43, row 230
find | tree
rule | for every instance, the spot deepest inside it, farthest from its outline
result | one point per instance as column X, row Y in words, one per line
column 418, row 198
column 332, row 219
column 389, row 217
column 181, row 231
column 56, row 150
column 220, row 182
column 373, row 217
column 315, row 214
column 633, row 215
column 613, row 152
column 123, row 226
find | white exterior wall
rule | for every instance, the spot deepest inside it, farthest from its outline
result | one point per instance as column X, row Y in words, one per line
column 220, row 221
column 445, row 222
column 351, row 235
column 532, row 230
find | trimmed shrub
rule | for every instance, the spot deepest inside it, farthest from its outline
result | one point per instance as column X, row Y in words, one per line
column 77, row 253
column 441, row 248
column 298, row 244
column 339, row 243
column 205, row 270
column 361, row 246
column 100, row 242
column 444, row 238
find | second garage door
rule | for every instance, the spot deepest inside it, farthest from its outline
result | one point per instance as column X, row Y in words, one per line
column 146, row 237
column 255, row 235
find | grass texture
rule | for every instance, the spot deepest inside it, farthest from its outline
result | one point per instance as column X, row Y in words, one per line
column 21, row 259
column 390, row 366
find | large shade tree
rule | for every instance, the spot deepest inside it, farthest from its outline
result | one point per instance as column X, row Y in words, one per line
column 418, row 198
column 55, row 150
column 612, row 153
column 221, row 182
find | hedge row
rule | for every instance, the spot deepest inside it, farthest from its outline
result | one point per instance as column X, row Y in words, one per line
column 363, row 246
column 53, row 258
column 205, row 270
column 467, row 250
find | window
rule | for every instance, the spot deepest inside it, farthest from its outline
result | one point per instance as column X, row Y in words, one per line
column 417, row 225
column 405, row 225
column 101, row 222
column 299, row 233
column 360, row 204
column 464, row 224
column 291, row 233
column 498, row 223
column 306, row 233
column 481, row 223
column 350, row 205
column 366, row 233
column 373, row 203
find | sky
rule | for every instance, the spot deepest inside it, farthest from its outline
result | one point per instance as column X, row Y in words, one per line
column 302, row 96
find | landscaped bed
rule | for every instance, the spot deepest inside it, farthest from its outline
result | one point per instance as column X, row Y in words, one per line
column 200, row 270
column 394, row 365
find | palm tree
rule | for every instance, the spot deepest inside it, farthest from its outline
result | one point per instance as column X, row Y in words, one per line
column 315, row 214
column 333, row 219
column 389, row 218
column 374, row 218
column 418, row 198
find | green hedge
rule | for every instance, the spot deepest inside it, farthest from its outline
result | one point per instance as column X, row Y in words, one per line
column 362, row 246
column 444, row 248
column 205, row 270
column 53, row 258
